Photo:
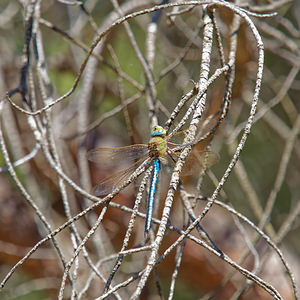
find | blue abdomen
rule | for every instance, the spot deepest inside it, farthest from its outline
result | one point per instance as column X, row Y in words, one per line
column 153, row 187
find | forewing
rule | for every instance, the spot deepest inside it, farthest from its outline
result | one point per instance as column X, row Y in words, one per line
column 203, row 130
column 117, row 156
column 199, row 161
column 206, row 126
column 107, row 185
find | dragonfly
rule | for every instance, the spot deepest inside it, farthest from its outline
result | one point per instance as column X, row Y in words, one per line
column 157, row 149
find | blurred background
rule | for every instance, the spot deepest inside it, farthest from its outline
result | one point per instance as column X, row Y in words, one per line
column 43, row 45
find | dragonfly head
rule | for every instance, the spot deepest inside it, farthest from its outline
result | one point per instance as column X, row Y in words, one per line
column 158, row 131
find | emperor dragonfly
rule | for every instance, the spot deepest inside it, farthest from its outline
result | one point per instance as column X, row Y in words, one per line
column 156, row 150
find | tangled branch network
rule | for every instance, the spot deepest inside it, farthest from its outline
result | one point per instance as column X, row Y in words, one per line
column 149, row 149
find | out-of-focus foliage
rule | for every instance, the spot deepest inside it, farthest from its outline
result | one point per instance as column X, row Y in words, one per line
column 120, row 94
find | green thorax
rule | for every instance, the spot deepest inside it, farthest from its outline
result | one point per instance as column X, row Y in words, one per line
column 157, row 145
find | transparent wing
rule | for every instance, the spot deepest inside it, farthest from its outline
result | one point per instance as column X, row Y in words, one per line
column 199, row 161
column 117, row 156
column 107, row 185
column 203, row 130
column 176, row 136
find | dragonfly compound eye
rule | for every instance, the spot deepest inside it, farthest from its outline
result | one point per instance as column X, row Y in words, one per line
column 158, row 131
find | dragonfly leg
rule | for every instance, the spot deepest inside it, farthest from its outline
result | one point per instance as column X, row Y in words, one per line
column 173, row 144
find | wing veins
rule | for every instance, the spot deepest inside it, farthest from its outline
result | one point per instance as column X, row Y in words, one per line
column 108, row 184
